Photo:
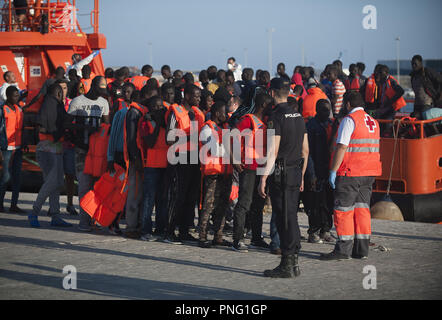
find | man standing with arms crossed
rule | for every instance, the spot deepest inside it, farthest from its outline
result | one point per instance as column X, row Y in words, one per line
column 355, row 165
column 287, row 154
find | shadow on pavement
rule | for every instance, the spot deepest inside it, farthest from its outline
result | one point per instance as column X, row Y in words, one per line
column 46, row 244
column 121, row 287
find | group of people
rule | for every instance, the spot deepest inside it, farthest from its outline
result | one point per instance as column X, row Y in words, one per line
column 324, row 151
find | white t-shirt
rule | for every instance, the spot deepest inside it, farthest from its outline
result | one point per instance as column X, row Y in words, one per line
column 91, row 110
column 346, row 129
column 3, row 91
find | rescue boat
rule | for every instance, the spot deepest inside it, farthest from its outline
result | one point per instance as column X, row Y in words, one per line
column 413, row 159
column 47, row 39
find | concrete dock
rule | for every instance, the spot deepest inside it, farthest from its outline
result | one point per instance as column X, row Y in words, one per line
column 405, row 262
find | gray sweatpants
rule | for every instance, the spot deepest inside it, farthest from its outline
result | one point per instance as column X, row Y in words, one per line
column 53, row 175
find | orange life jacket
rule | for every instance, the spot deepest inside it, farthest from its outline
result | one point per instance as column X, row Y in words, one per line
column 14, row 125
column 371, row 90
column 252, row 150
column 139, row 81
column 362, row 158
column 211, row 165
column 353, row 85
column 87, row 83
column 390, row 93
column 183, row 121
column 96, row 159
column 155, row 157
column 309, row 104
column 108, row 197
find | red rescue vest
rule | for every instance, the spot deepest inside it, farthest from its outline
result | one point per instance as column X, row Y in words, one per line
column 155, row 157
column 353, row 85
column 96, row 159
column 252, row 149
column 108, row 197
column 362, row 158
column 211, row 165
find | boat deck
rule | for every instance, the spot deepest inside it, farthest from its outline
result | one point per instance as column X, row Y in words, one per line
column 109, row 267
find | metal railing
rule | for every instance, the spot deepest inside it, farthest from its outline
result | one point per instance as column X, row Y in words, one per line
column 47, row 16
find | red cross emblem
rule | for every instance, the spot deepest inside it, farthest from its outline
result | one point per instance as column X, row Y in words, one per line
column 370, row 123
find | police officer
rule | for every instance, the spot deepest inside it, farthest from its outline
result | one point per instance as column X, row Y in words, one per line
column 355, row 163
column 287, row 154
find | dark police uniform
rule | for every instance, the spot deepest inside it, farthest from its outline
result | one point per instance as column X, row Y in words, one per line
column 290, row 126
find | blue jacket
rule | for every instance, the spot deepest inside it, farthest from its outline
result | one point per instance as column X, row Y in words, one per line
column 3, row 136
column 116, row 139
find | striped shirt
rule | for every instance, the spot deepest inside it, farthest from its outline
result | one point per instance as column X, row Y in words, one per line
column 338, row 91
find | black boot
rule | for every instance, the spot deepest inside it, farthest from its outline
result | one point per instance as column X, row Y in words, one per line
column 296, row 269
column 284, row 270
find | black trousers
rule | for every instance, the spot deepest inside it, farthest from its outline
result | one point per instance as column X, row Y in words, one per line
column 249, row 202
column 319, row 208
column 183, row 193
column 290, row 238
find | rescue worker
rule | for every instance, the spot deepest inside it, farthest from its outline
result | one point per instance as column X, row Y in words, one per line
column 12, row 146
column 217, row 177
column 141, row 80
column 182, row 176
column 79, row 63
column 249, row 201
column 288, row 156
column 89, row 111
column 318, row 196
column 133, row 156
column 52, row 117
column 355, row 165
column 154, row 154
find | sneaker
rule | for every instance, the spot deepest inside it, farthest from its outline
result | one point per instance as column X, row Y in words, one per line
column 314, row 238
column 276, row 252
column 334, row 256
column 240, row 247
column 188, row 238
column 260, row 244
column 204, row 244
column 357, row 256
column 58, row 222
column 16, row 209
column 71, row 211
column 173, row 239
column 33, row 221
column 327, row 237
column 149, row 238
column 116, row 231
column 222, row 243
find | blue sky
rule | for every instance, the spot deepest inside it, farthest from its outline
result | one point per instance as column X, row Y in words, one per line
column 193, row 34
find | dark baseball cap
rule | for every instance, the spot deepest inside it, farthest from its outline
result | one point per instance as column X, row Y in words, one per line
column 279, row 83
